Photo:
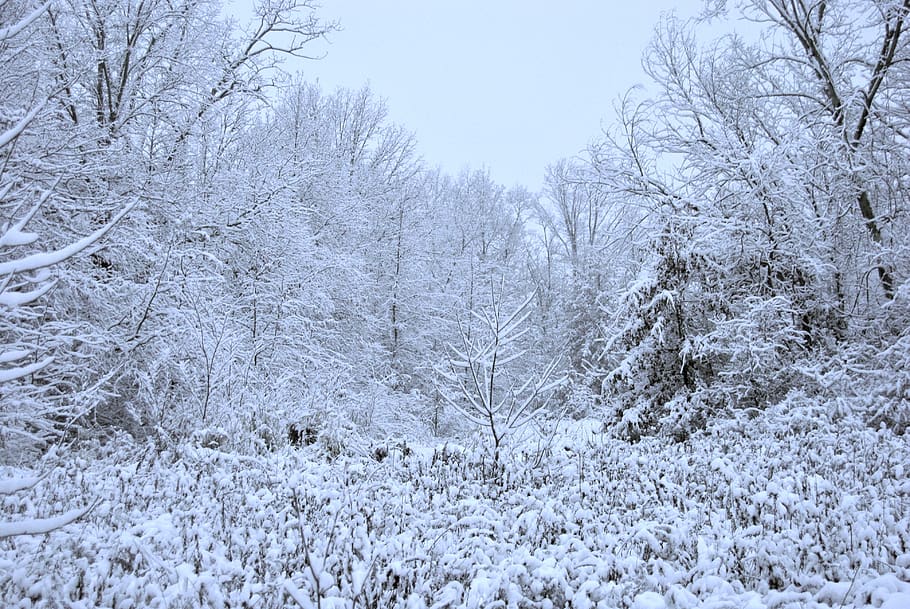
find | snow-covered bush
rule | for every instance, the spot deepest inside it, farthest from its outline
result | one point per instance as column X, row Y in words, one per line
column 798, row 504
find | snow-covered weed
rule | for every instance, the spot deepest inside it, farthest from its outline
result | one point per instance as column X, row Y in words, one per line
column 793, row 508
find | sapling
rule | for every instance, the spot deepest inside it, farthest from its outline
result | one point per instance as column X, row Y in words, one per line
column 488, row 391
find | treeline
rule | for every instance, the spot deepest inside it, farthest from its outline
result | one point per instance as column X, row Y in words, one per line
column 284, row 254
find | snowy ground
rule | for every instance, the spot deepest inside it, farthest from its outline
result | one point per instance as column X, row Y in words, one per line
column 798, row 508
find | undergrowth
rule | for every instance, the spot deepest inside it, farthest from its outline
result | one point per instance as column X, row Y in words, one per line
column 798, row 507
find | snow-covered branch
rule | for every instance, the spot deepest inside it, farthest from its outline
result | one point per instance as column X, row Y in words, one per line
column 40, row 526
column 487, row 393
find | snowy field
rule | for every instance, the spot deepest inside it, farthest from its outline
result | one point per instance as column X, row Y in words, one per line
column 794, row 509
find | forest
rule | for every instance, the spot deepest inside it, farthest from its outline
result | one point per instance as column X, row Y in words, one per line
column 257, row 352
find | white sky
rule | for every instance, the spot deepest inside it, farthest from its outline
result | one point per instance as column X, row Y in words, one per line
column 510, row 85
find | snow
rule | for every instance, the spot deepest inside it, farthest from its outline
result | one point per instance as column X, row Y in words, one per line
column 11, row 134
column 649, row 600
column 41, row 260
column 39, row 526
column 628, row 525
column 10, row 374
column 14, row 485
column 297, row 595
column 13, row 298
column 13, row 355
column 14, row 236
column 899, row 600
column 749, row 338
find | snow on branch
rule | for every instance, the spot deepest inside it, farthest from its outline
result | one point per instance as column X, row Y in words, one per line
column 8, row 32
column 11, row 374
column 41, row 260
column 16, row 130
column 40, row 526
column 14, row 485
column 485, row 392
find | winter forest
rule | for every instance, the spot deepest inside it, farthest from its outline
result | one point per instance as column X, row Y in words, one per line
column 257, row 352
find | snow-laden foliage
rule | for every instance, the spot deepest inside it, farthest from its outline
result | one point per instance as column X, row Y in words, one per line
column 728, row 270
column 798, row 507
column 774, row 189
column 34, row 344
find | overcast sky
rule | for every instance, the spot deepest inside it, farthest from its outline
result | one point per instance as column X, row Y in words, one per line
column 511, row 85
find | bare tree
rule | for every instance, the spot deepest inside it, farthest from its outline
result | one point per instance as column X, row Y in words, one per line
column 119, row 62
column 488, row 394
column 848, row 51
column 581, row 209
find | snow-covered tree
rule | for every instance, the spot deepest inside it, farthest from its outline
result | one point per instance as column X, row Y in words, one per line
column 483, row 381
column 759, row 168
column 35, row 408
column 151, row 99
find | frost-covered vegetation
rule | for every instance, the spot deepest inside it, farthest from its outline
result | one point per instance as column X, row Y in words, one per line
column 223, row 290
column 792, row 508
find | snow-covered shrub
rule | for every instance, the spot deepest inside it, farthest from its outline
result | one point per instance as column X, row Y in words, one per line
column 889, row 393
column 643, row 357
column 752, row 351
column 699, row 334
column 797, row 502
column 888, row 370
